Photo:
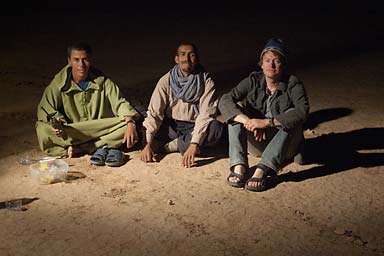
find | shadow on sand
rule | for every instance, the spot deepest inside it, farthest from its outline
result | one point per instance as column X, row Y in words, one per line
column 18, row 204
column 337, row 152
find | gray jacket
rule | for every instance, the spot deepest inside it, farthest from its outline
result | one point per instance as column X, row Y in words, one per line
column 290, row 105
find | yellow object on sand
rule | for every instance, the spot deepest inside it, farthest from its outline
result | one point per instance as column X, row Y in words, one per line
column 43, row 166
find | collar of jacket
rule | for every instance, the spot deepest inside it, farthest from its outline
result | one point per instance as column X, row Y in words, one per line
column 95, row 76
column 282, row 86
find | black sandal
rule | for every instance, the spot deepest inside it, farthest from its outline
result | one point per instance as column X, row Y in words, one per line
column 260, row 188
column 238, row 184
column 264, row 184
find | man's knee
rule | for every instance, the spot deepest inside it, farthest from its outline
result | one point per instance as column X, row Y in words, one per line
column 48, row 142
column 43, row 132
column 216, row 132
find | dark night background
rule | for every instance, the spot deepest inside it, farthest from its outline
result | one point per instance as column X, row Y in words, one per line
column 229, row 35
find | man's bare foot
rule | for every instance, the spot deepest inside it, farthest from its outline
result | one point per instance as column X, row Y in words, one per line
column 258, row 182
column 70, row 151
column 236, row 177
column 74, row 151
column 239, row 169
column 263, row 179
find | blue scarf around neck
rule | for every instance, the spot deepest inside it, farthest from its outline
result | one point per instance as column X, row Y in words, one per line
column 189, row 89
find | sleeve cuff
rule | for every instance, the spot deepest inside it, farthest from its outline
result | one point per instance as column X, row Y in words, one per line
column 198, row 138
column 149, row 137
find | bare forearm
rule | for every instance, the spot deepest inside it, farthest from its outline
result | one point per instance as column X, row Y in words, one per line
column 241, row 118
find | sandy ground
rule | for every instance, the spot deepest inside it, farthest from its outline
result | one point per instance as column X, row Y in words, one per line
column 332, row 206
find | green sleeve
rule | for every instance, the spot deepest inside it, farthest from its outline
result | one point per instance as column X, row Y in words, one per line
column 50, row 103
column 119, row 105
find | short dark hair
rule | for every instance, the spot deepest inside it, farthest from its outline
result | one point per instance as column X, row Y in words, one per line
column 191, row 44
column 79, row 46
column 278, row 47
column 281, row 57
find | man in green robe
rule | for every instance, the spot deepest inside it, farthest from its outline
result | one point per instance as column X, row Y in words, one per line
column 89, row 111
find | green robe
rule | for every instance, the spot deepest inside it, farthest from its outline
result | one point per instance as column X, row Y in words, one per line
column 91, row 118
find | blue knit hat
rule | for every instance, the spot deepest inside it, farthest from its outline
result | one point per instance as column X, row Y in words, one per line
column 277, row 45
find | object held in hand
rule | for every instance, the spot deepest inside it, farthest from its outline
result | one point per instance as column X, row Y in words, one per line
column 55, row 123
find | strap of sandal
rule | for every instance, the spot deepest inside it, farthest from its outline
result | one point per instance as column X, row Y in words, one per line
column 266, row 169
column 100, row 152
column 238, row 175
column 115, row 155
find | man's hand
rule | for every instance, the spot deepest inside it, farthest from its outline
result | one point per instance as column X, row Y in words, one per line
column 57, row 131
column 259, row 134
column 148, row 155
column 255, row 123
column 130, row 135
column 189, row 155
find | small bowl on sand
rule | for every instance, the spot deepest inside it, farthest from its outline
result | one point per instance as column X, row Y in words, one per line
column 49, row 170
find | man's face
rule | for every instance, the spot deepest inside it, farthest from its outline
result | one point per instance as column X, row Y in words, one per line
column 271, row 65
column 187, row 59
column 80, row 62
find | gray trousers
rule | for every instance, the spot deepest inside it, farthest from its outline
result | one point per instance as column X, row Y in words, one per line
column 276, row 151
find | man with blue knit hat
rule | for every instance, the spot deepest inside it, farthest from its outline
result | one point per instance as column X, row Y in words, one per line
column 265, row 113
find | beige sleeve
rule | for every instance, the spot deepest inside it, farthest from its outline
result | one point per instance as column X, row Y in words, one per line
column 156, row 109
column 207, row 112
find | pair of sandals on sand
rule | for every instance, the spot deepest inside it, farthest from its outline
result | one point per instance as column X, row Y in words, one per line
column 107, row 156
column 264, row 181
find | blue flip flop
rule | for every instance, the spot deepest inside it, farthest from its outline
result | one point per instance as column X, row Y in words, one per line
column 114, row 158
column 98, row 158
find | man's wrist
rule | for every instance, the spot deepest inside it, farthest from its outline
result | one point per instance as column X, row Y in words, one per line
column 131, row 121
column 271, row 122
column 195, row 144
